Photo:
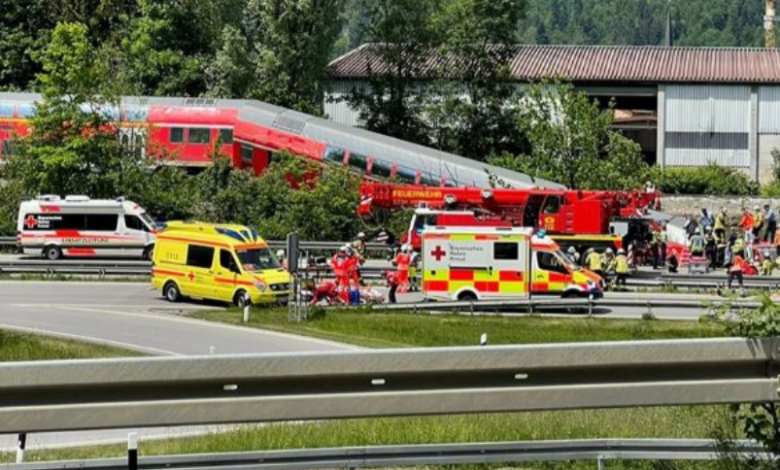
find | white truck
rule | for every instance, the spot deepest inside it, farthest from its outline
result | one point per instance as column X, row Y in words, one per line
column 78, row 226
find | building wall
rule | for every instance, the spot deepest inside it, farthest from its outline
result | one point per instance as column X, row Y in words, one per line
column 768, row 130
column 334, row 105
column 707, row 124
column 732, row 125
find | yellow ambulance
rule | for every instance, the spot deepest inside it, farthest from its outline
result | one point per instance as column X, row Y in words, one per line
column 223, row 262
column 476, row 263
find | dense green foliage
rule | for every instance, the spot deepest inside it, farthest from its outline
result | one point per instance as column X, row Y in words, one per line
column 572, row 141
column 711, row 180
column 74, row 148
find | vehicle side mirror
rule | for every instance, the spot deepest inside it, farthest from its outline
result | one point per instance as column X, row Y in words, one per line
column 234, row 267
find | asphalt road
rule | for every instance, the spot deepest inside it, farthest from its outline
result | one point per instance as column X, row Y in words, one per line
column 133, row 316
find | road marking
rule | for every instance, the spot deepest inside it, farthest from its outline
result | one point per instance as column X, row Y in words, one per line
column 89, row 339
column 211, row 325
column 160, row 306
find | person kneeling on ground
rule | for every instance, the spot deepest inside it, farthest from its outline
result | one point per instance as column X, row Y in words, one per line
column 327, row 291
column 674, row 262
column 767, row 265
column 392, row 283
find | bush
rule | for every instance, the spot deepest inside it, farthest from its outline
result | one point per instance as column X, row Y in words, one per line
column 711, row 180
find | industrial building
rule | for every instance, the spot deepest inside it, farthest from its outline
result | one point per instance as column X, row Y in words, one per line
column 685, row 106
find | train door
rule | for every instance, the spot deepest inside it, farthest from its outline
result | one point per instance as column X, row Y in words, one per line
column 134, row 138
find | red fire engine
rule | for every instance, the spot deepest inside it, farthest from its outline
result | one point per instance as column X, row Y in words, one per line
column 582, row 219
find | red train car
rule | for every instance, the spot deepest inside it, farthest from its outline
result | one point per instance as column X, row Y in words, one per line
column 184, row 131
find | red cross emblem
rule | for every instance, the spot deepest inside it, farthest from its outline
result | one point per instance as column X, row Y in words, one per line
column 30, row 221
column 191, row 276
column 438, row 253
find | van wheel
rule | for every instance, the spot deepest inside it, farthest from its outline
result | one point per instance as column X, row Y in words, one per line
column 148, row 253
column 171, row 292
column 52, row 253
column 467, row 297
column 240, row 300
column 573, row 294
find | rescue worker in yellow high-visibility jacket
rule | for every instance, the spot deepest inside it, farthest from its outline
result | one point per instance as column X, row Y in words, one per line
column 621, row 268
column 595, row 263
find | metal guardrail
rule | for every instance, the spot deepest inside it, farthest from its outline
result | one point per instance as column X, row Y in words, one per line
column 558, row 304
column 415, row 455
column 145, row 392
column 275, row 244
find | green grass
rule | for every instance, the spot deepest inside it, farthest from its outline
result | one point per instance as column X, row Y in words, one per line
column 678, row 422
column 27, row 347
column 408, row 329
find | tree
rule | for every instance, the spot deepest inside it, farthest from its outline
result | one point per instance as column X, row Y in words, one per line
column 73, row 146
column 293, row 42
column 474, row 117
column 572, row 141
column 392, row 103
column 231, row 75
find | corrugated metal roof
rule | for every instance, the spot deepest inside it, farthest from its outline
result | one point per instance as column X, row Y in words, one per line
column 600, row 64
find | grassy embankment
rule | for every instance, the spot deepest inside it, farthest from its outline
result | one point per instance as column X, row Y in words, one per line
column 377, row 329
column 27, row 347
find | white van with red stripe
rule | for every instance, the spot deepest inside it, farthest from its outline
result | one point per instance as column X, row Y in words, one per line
column 82, row 227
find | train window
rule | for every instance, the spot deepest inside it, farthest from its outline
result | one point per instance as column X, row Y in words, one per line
column 198, row 135
column 177, row 135
column 406, row 174
column 6, row 110
column 358, row 161
column 26, row 110
column 334, row 155
column 429, row 180
column 381, row 169
column 226, row 136
column 247, row 154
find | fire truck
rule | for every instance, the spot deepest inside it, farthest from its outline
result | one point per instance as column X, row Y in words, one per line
column 583, row 219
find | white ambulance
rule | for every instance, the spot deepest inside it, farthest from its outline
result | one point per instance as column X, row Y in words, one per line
column 78, row 226
column 476, row 263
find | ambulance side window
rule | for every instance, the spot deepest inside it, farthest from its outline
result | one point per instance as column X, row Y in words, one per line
column 134, row 223
column 200, row 256
column 228, row 262
column 549, row 262
column 506, row 251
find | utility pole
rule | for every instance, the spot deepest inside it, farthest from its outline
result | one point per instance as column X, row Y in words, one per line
column 769, row 24
column 668, row 38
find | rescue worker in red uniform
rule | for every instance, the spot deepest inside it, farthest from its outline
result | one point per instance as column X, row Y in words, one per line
column 340, row 262
column 402, row 263
column 353, row 267
column 328, row 291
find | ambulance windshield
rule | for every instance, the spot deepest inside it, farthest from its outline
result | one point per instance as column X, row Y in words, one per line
column 564, row 260
column 258, row 259
column 147, row 220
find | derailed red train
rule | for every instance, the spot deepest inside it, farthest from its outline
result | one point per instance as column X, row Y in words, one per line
column 251, row 132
